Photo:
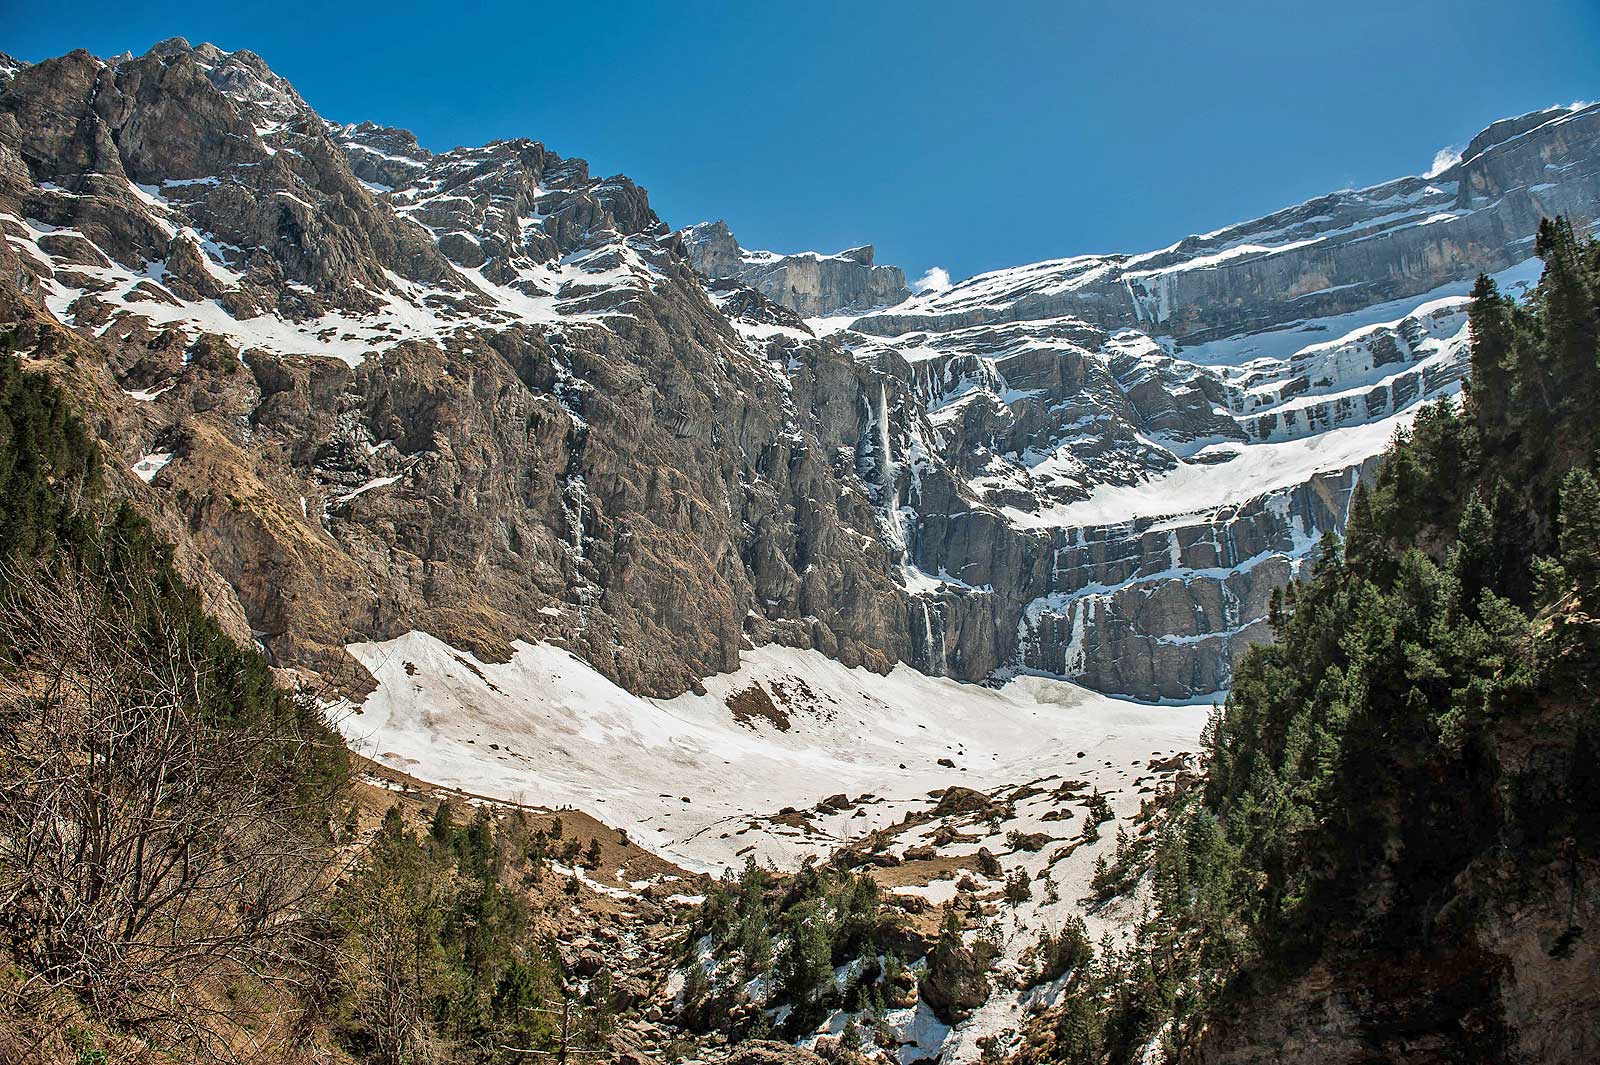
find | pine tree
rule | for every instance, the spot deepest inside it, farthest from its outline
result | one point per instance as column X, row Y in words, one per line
column 1580, row 534
column 1571, row 330
column 1489, row 387
column 807, row 961
column 1090, row 831
column 1473, row 559
column 1100, row 878
column 1532, row 390
column 442, row 828
column 1363, row 542
column 696, row 987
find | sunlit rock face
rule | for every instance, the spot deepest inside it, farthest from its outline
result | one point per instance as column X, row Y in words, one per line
column 488, row 395
column 1181, row 427
column 808, row 283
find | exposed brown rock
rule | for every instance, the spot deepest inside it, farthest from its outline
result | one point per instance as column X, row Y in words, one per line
column 754, row 703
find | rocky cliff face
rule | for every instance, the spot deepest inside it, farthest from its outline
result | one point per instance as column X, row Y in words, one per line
column 489, row 395
column 481, row 393
column 1330, row 256
column 1167, row 498
column 808, row 283
column 1180, row 428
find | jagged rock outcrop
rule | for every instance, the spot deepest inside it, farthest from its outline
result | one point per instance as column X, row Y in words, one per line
column 806, row 282
column 494, row 402
column 954, row 984
column 382, row 157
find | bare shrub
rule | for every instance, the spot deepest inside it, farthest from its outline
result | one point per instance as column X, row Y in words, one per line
column 163, row 812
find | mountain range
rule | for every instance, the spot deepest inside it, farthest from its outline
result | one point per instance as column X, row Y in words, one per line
column 521, row 478
column 501, row 399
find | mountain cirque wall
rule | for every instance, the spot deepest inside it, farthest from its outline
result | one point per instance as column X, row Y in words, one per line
column 1329, row 256
column 490, row 400
column 487, row 395
column 1185, row 425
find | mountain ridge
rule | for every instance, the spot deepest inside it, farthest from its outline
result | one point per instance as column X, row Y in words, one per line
column 1010, row 439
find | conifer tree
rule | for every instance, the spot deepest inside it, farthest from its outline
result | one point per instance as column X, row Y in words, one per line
column 1580, row 534
column 1474, row 556
column 1489, row 386
column 1363, row 545
column 1570, row 327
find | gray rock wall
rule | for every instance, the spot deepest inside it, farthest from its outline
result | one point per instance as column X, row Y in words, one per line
column 808, row 283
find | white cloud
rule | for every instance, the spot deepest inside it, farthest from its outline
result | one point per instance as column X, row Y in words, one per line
column 937, row 279
column 1443, row 160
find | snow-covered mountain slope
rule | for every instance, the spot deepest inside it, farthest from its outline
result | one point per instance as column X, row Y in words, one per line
column 702, row 778
column 1179, row 428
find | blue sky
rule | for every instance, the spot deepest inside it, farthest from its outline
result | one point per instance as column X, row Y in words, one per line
column 963, row 135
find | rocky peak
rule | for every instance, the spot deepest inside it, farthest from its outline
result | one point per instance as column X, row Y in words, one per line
column 1536, row 166
column 148, row 157
column 513, row 208
column 808, row 282
column 382, row 157
column 244, row 77
column 713, row 249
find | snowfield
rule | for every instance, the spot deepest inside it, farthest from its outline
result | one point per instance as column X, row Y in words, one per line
column 693, row 784
column 1222, row 475
column 692, row 781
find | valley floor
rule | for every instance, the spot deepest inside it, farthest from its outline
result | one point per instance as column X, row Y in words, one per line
column 796, row 756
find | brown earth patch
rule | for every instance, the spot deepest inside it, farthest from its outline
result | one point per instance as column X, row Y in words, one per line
column 754, row 703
